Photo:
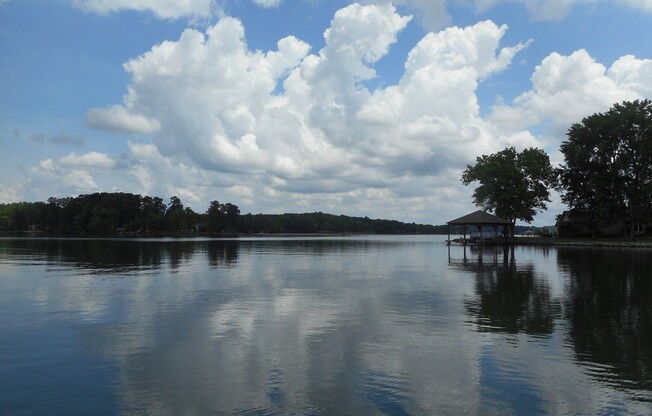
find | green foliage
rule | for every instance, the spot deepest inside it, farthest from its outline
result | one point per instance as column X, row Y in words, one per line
column 513, row 185
column 124, row 213
column 318, row 222
column 152, row 214
column 175, row 215
column 222, row 217
column 607, row 170
column 19, row 216
column 100, row 214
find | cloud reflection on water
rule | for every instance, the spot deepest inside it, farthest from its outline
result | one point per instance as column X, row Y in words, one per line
column 352, row 325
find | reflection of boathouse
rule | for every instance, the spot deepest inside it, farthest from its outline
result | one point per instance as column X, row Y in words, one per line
column 480, row 220
column 471, row 255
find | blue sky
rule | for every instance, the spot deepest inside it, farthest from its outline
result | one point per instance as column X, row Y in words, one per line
column 370, row 108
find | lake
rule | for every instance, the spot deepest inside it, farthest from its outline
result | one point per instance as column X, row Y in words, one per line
column 396, row 325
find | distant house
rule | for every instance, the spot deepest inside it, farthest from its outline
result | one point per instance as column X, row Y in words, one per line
column 577, row 223
column 573, row 224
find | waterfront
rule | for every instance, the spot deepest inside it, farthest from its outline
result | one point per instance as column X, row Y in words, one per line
column 329, row 325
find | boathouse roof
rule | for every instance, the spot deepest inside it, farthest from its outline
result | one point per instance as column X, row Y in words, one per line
column 479, row 217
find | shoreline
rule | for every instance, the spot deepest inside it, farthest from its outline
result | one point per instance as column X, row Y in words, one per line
column 571, row 242
column 584, row 242
column 644, row 242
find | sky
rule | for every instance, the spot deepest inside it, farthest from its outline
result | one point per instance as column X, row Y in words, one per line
column 366, row 109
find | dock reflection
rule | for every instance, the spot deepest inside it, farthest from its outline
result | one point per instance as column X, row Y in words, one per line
column 470, row 254
column 510, row 297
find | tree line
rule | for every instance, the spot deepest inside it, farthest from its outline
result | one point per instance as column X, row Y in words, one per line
column 319, row 222
column 107, row 214
column 606, row 175
column 116, row 213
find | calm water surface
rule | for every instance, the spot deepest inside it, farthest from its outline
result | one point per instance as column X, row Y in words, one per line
column 350, row 325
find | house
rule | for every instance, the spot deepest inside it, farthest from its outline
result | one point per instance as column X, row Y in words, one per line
column 577, row 223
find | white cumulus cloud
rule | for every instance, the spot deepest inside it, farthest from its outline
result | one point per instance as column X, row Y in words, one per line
column 566, row 89
column 298, row 129
column 293, row 128
column 165, row 9
column 93, row 160
column 119, row 120
column 633, row 74
column 80, row 180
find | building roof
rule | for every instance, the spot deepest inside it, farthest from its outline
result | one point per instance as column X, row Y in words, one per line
column 479, row 217
column 573, row 217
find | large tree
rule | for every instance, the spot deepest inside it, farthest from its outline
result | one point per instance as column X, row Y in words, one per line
column 175, row 214
column 607, row 170
column 513, row 185
column 215, row 215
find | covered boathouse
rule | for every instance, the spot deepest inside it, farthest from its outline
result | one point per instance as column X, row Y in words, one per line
column 479, row 219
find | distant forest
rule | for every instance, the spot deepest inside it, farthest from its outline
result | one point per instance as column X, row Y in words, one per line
column 111, row 214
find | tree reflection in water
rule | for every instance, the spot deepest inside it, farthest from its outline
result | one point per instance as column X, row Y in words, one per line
column 511, row 297
column 605, row 310
column 608, row 305
column 124, row 256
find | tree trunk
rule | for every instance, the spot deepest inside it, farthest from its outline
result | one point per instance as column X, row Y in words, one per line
column 629, row 231
column 632, row 227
